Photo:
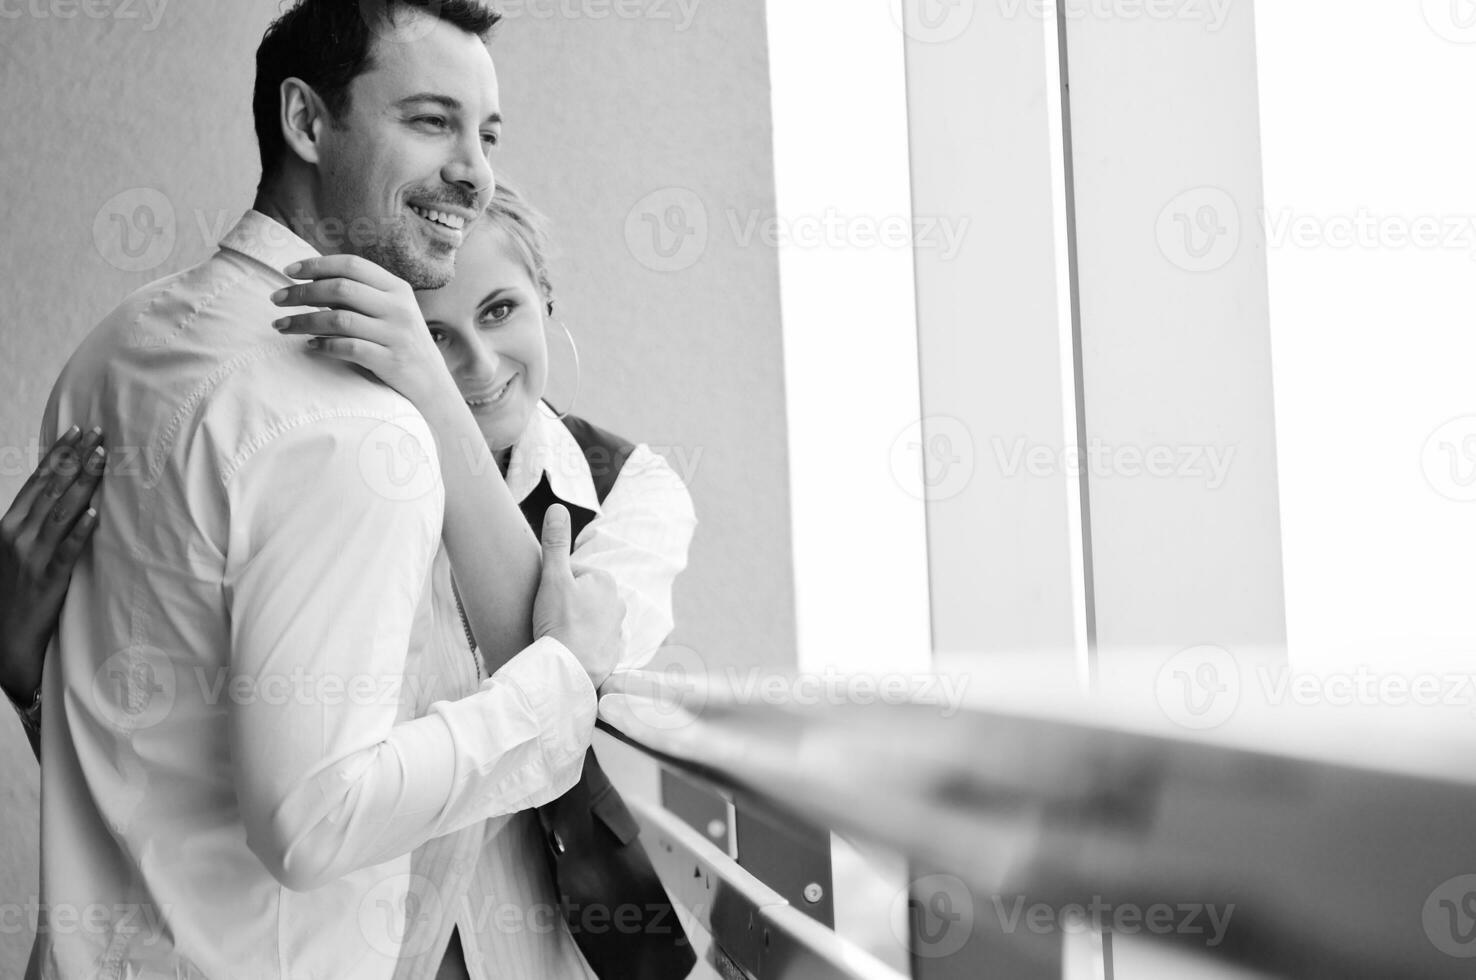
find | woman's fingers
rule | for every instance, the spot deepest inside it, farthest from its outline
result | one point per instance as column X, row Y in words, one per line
column 345, row 266
column 367, row 355
column 20, row 507
column 62, row 471
column 69, row 549
column 337, row 293
column 334, row 323
column 73, row 501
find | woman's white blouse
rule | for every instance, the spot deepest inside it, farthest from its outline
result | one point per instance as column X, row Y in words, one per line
column 492, row 881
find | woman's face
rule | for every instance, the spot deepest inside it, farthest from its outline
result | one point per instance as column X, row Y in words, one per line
column 488, row 324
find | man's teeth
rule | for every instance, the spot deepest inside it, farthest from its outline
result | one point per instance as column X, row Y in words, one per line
column 453, row 221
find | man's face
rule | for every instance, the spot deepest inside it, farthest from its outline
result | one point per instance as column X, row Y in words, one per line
column 407, row 168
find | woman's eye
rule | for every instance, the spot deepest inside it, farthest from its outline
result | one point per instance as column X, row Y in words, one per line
column 498, row 312
column 439, row 337
column 434, row 122
column 491, row 139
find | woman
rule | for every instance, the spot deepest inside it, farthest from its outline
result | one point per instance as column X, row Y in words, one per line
column 473, row 358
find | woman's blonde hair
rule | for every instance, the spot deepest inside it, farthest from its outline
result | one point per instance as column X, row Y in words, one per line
column 527, row 228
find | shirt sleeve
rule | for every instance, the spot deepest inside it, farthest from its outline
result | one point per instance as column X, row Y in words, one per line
column 334, row 523
column 641, row 538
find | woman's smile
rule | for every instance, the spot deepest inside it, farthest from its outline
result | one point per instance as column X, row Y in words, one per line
column 492, row 398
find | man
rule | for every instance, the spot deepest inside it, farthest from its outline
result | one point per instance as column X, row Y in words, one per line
column 232, row 782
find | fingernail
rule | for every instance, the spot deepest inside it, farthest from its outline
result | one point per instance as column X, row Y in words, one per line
column 94, row 432
column 279, row 295
column 280, row 323
column 71, row 433
column 293, row 269
column 315, row 342
column 557, row 517
column 99, row 453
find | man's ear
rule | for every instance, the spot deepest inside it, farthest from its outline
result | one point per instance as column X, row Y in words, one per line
column 304, row 117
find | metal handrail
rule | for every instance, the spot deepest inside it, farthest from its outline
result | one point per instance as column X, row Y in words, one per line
column 1331, row 866
column 757, row 930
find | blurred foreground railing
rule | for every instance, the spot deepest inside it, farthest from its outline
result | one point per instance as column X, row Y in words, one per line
column 1290, row 853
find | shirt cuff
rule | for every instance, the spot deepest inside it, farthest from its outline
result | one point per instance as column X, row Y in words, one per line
column 557, row 687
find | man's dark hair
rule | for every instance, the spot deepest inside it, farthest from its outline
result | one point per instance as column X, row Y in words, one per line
column 327, row 44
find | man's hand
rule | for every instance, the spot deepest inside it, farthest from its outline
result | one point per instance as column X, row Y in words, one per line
column 582, row 613
column 41, row 538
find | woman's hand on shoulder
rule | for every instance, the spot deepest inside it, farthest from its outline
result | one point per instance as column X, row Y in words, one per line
column 41, row 537
column 368, row 317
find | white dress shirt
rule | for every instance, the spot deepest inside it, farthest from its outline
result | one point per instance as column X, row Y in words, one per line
column 492, row 882
column 235, row 770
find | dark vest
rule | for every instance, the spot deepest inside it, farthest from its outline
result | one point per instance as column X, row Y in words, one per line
column 603, row 872
column 605, row 453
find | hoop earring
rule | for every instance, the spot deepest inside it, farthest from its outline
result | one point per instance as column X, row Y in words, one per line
column 578, row 368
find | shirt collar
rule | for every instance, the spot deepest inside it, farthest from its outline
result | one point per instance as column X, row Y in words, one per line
column 548, row 448
column 268, row 241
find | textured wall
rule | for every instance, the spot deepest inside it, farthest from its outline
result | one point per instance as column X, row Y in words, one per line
column 150, row 100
